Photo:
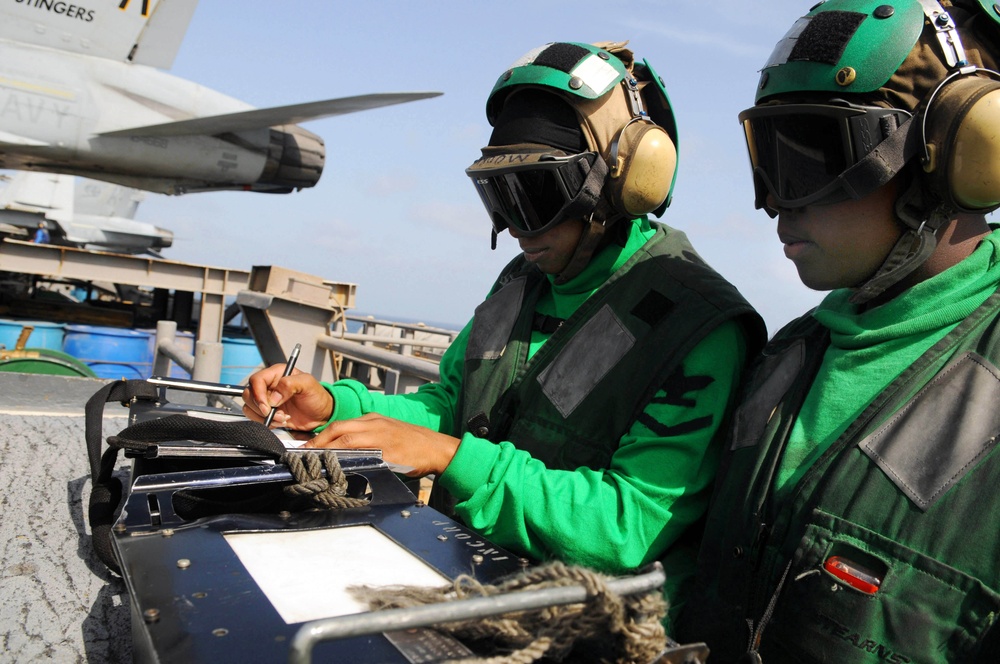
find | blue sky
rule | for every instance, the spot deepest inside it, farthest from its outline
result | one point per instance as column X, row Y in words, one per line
column 394, row 211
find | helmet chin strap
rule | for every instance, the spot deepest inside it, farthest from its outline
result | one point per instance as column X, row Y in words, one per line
column 590, row 240
column 914, row 246
column 922, row 215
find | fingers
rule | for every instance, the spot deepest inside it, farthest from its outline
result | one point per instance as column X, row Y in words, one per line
column 416, row 448
column 269, row 387
column 346, row 434
column 259, row 386
column 279, row 420
column 250, row 412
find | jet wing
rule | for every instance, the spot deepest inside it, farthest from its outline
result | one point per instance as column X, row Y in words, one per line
column 270, row 117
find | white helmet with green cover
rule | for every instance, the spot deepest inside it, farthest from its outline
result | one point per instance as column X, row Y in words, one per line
column 859, row 91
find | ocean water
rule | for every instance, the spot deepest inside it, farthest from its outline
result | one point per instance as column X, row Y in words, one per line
column 353, row 325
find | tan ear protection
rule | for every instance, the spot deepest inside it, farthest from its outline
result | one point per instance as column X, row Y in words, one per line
column 961, row 130
column 641, row 167
column 640, row 154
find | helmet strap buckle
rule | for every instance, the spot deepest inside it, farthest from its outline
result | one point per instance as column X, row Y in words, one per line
column 913, row 247
column 947, row 32
column 593, row 233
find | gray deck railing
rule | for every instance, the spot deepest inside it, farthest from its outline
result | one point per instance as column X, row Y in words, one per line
column 392, row 364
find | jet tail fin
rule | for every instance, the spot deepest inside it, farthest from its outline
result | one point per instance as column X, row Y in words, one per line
column 143, row 31
column 37, row 193
column 104, row 199
column 163, row 33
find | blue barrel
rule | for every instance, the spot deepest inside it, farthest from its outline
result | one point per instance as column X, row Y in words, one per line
column 45, row 335
column 111, row 352
column 240, row 358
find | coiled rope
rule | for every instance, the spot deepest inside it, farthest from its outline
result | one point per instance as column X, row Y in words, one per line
column 629, row 629
column 307, row 469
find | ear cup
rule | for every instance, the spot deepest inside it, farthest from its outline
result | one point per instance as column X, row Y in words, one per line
column 963, row 140
column 642, row 164
column 974, row 164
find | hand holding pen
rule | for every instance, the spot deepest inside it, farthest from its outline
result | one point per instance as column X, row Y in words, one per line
column 289, row 366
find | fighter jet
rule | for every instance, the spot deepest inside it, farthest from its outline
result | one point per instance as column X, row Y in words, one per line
column 83, row 92
column 80, row 213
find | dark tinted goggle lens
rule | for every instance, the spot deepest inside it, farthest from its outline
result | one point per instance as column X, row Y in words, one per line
column 800, row 156
column 799, row 151
column 530, row 197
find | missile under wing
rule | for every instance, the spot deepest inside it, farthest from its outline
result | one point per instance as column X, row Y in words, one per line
column 81, row 93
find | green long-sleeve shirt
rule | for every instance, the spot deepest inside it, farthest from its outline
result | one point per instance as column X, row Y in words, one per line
column 869, row 348
column 612, row 519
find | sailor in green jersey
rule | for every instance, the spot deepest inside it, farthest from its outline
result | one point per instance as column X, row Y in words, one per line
column 856, row 515
column 577, row 414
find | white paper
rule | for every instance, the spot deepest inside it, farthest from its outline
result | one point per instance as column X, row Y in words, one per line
column 305, row 573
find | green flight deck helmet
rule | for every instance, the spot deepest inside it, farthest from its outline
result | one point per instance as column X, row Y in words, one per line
column 859, row 91
column 624, row 165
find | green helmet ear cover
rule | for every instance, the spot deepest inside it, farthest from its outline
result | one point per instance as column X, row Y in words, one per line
column 659, row 108
column 600, row 82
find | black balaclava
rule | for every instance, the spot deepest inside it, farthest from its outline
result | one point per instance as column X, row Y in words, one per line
column 536, row 116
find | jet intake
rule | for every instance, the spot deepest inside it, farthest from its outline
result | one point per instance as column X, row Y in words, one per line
column 295, row 159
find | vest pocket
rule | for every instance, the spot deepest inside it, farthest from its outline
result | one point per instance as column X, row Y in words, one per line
column 922, row 611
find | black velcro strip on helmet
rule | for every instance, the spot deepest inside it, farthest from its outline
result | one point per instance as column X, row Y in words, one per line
column 561, row 56
column 826, row 37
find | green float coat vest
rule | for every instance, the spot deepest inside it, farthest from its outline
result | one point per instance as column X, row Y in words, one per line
column 582, row 390
column 908, row 493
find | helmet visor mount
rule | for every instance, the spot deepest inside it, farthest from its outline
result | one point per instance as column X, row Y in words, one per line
column 799, row 152
column 535, row 192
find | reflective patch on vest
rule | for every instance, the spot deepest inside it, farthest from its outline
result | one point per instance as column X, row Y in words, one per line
column 586, row 359
column 779, row 373
column 494, row 321
column 940, row 435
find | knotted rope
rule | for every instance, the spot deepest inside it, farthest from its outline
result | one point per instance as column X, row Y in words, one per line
column 629, row 628
column 307, row 469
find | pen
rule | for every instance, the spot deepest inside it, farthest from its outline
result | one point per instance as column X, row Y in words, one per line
column 288, row 370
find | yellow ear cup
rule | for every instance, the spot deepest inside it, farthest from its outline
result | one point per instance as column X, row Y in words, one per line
column 962, row 140
column 642, row 169
column 974, row 161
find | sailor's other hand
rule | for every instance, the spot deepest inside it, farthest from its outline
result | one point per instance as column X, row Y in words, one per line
column 303, row 403
column 427, row 452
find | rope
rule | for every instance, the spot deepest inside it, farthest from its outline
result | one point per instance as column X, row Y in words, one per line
column 307, row 469
column 757, row 633
column 629, row 628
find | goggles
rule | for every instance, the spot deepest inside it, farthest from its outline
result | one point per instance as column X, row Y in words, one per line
column 799, row 152
column 536, row 191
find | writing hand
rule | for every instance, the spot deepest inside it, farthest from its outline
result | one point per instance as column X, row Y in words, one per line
column 427, row 452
